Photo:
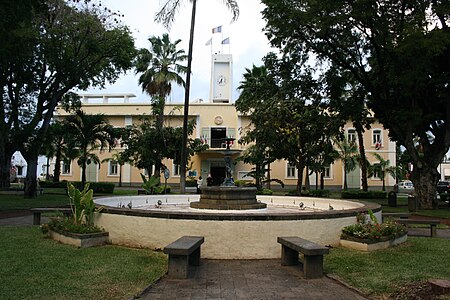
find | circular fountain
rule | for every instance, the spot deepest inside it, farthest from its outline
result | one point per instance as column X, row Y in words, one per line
column 154, row 221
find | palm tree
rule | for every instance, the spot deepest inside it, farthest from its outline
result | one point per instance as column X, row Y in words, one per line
column 87, row 134
column 383, row 166
column 159, row 67
column 348, row 155
column 166, row 15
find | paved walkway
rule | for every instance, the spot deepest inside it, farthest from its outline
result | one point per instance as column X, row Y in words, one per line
column 249, row 279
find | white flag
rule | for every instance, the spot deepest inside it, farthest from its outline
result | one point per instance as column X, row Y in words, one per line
column 209, row 42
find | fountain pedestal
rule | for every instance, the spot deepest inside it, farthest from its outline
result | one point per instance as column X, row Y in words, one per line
column 228, row 198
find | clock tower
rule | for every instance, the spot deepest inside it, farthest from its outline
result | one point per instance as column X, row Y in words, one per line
column 221, row 81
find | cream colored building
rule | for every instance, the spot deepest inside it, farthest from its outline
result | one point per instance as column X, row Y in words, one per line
column 215, row 120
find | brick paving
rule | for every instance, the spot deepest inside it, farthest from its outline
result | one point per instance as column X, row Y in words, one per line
column 248, row 279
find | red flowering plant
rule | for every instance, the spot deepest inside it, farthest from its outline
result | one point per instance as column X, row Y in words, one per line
column 368, row 230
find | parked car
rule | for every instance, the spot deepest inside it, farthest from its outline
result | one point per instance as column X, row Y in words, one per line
column 405, row 187
column 443, row 186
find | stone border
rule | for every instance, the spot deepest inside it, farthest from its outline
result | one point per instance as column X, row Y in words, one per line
column 263, row 216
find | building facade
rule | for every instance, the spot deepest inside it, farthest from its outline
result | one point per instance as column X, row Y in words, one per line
column 215, row 120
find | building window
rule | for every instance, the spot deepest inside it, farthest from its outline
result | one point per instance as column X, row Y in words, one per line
column 291, row 171
column 113, row 168
column 376, row 174
column 327, row 172
column 376, row 137
column 176, row 169
column 19, row 170
column 128, row 120
column 351, row 135
column 217, row 136
column 242, row 175
column 65, row 170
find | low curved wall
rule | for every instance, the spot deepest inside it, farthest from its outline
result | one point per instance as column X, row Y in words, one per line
column 228, row 235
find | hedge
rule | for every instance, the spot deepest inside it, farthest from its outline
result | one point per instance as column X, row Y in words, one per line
column 98, row 187
column 360, row 194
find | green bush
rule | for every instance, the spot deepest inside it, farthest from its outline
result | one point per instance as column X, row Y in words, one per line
column 51, row 184
column 319, row 193
column 372, row 231
column 160, row 190
column 264, row 192
column 98, row 187
column 66, row 225
column 191, row 183
column 292, row 193
column 360, row 194
column 444, row 196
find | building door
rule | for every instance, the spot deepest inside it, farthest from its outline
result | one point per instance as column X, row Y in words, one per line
column 354, row 179
column 91, row 172
column 217, row 174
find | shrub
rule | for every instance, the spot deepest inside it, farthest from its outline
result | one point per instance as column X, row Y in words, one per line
column 444, row 196
column 191, row 183
column 319, row 193
column 371, row 231
column 360, row 194
column 264, row 192
column 66, row 225
column 97, row 187
column 51, row 184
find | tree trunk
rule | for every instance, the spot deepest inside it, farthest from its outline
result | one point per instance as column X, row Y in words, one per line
column 186, row 102
column 269, row 184
column 322, row 180
column 299, row 179
column 425, row 181
column 5, row 167
column 57, row 170
column 362, row 157
column 120, row 175
column 345, row 180
column 30, row 179
column 47, row 169
column 83, row 174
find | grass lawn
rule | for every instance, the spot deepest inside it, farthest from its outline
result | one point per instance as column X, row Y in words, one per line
column 45, row 269
column 12, row 202
column 385, row 271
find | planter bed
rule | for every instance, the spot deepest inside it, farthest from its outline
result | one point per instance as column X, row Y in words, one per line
column 370, row 245
column 80, row 240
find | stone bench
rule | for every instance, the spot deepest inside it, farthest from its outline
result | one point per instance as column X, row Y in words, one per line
column 183, row 253
column 313, row 253
column 432, row 223
column 39, row 210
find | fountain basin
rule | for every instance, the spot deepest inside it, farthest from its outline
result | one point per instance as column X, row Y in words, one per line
column 228, row 198
column 229, row 234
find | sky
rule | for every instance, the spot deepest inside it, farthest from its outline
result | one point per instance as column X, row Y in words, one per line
column 248, row 44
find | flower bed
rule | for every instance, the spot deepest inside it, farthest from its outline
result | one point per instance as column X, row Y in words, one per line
column 368, row 234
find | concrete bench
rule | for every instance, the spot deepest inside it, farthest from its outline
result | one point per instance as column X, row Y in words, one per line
column 313, row 253
column 39, row 210
column 432, row 223
column 183, row 253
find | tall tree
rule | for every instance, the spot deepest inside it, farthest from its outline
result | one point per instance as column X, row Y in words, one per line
column 159, row 67
column 146, row 147
column 398, row 51
column 63, row 46
column 167, row 16
column 285, row 107
column 383, row 167
column 348, row 98
column 89, row 134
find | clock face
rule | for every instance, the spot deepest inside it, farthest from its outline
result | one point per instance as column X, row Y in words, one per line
column 221, row 80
